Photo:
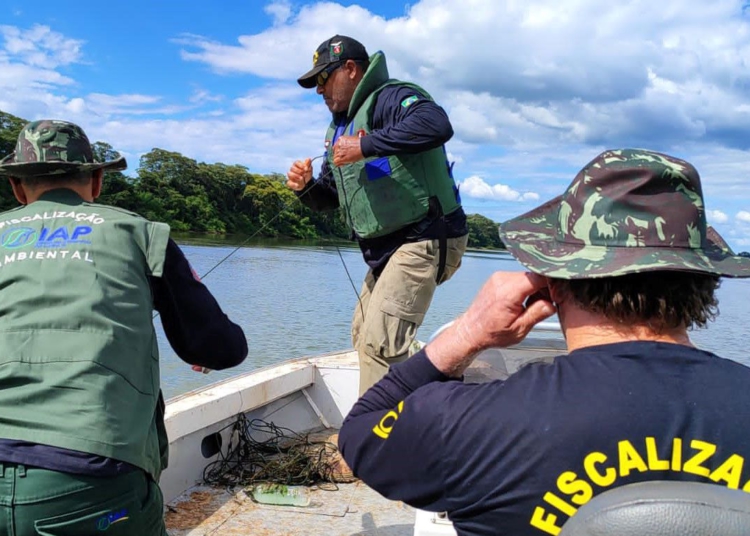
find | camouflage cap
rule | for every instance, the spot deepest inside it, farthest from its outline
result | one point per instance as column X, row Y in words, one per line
column 627, row 211
column 51, row 147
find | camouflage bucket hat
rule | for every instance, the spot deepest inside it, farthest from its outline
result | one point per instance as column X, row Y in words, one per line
column 627, row 211
column 49, row 148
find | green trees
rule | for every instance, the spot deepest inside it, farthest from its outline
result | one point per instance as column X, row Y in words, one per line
column 214, row 198
column 10, row 127
column 483, row 232
column 218, row 198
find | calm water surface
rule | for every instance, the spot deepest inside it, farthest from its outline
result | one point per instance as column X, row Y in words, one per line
column 295, row 300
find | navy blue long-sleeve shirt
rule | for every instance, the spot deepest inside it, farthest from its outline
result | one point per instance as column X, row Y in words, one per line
column 519, row 456
column 198, row 331
column 419, row 126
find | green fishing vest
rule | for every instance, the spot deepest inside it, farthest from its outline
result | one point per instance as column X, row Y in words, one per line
column 79, row 362
column 381, row 195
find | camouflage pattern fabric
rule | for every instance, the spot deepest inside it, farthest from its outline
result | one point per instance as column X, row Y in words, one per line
column 51, row 147
column 627, row 211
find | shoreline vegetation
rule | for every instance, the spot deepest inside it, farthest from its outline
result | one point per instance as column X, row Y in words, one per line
column 216, row 199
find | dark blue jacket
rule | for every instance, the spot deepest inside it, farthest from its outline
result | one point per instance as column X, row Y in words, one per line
column 519, row 456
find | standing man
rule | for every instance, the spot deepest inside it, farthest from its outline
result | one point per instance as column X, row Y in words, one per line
column 82, row 437
column 386, row 166
column 626, row 259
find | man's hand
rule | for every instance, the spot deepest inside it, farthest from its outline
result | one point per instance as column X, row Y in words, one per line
column 498, row 317
column 299, row 174
column 347, row 150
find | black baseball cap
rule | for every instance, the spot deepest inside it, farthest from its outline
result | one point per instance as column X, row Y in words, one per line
column 337, row 48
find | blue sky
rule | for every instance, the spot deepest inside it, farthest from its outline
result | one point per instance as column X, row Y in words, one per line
column 534, row 89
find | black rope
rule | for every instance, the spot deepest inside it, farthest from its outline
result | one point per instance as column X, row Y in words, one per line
column 283, row 457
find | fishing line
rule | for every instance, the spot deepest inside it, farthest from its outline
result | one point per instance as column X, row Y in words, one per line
column 349, row 216
column 284, row 208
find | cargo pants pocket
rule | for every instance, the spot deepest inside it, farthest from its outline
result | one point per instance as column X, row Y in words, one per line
column 125, row 515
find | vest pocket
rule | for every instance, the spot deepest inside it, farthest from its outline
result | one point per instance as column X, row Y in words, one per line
column 378, row 168
column 70, row 356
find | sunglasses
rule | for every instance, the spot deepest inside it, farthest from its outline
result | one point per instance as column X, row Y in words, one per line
column 326, row 73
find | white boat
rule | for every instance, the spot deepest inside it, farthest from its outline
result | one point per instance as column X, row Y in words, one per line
column 308, row 394
column 311, row 394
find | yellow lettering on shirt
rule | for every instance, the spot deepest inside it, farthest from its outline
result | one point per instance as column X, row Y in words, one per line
column 579, row 490
column 677, row 454
column 384, row 427
column 557, row 502
column 630, row 459
column 730, row 471
column 705, row 451
column 652, row 454
column 589, row 465
column 600, row 471
column 545, row 522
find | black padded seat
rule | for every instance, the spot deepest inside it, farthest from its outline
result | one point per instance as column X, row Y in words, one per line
column 663, row 508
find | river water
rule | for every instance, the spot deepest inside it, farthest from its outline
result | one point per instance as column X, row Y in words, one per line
column 296, row 299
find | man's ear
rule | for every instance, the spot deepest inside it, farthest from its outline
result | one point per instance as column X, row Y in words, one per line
column 96, row 183
column 556, row 293
column 351, row 68
column 18, row 190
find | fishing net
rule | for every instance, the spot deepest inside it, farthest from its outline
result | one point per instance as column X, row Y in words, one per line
column 260, row 451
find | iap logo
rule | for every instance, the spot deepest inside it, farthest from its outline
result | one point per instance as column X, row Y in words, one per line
column 60, row 237
column 17, row 237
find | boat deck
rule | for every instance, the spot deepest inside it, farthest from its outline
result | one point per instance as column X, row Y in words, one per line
column 352, row 510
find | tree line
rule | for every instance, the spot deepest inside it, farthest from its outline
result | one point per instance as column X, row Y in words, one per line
column 215, row 198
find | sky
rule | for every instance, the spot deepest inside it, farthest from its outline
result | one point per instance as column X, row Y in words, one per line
column 535, row 89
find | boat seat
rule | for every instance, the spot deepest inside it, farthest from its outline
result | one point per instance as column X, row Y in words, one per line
column 662, row 508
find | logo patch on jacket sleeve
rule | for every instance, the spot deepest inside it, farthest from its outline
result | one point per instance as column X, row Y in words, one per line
column 408, row 101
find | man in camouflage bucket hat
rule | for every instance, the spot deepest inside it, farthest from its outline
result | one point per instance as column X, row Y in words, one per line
column 627, row 261
column 50, row 147
column 627, row 211
column 82, row 435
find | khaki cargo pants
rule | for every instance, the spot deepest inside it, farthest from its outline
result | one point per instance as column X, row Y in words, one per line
column 390, row 310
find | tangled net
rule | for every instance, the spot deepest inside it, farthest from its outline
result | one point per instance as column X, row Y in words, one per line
column 284, row 457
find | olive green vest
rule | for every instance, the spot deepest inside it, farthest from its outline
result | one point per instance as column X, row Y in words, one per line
column 79, row 362
column 381, row 195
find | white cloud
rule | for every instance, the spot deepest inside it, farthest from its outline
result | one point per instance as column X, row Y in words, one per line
column 534, row 89
column 506, row 72
column 717, row 216
column 39, row 46
column 476, row 187
column 743, row 216
column 201, row 96
column 281, row 11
